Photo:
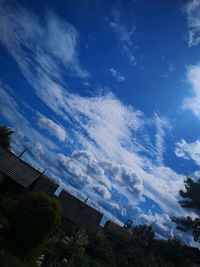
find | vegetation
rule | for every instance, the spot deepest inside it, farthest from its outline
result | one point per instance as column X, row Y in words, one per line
column 74, row 247
column 26, row 223
column 5, row 134
column 32, row 234
column 191, row 200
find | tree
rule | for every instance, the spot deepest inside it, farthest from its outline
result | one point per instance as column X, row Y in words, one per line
column 191, row 201
column 34, row 217
column 99, row 247
column 143, row 235
column 5, row 134
column 79, row 259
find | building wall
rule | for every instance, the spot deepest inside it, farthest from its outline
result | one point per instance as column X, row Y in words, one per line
column 44, row 184
column 79, row 212
column 10, row 187
column 118, row 232
column 2, row 177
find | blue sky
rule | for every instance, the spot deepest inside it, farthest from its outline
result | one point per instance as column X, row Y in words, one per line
column 105, row 95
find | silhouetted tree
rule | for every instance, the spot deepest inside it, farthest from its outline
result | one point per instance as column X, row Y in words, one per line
column 5, row 134
column 143, row 234
column 191, row 201
column 33, row 218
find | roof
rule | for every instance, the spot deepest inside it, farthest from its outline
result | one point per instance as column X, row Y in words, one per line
column 17, row 169
column 78, row 212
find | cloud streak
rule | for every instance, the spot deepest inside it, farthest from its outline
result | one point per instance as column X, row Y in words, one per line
column 192, row 10
column 52, row 127
column 188, row 151
column 123, row 34
column 27, row 31
column 193, row 102
column 117, row 75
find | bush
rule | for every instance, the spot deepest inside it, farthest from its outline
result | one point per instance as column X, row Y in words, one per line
column 79, row 259
column 34, row 217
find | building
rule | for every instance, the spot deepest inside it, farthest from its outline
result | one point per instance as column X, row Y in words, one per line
column 118, row 232
column 78, row 212
column 18, row 176
column 44, row 184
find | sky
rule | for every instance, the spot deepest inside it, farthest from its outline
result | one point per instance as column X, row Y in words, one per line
column 105, row 95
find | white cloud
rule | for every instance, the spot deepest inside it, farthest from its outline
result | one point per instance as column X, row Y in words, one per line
column 193, row 102
column 103, row 191
column 124, row 34
column 189, row 151
column 117, row 75
column 52, row 127
column 162, row 184
column 192, row 10
column 11, row 111
column 164, row 227
column 124, row 176
column 41, row 39
column 104, row 174
column 162, row 124
column 86, row 84
column 172, row 67
column 162, row 224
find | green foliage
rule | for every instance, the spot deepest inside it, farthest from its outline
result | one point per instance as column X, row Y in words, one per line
column 86, row 248
column 100, row 247
column 6, row 211
column 64, row 245
column 5, row 134
column 152, row 261
column 191, row 195
column 191, row 200
column 31, row 219
column 28, row 228
column 143, row 235
column 36, row 216
column 129, row 255
column 9, row 260
column 55, row 251
column 79, row 259
column 97, row 263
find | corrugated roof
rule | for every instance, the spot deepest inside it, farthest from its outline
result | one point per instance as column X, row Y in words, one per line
column 17, row 169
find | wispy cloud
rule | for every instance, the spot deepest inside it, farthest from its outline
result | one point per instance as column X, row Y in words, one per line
column 164, row 227
column 192, row 10
column 193, row 102
column 52, row 127
column 184, row 149
column 189, row 151
column 124, row 34
column 162, row 124
column 41, row 39
column 117, row 75
column 11, row 111
column 172, row 67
